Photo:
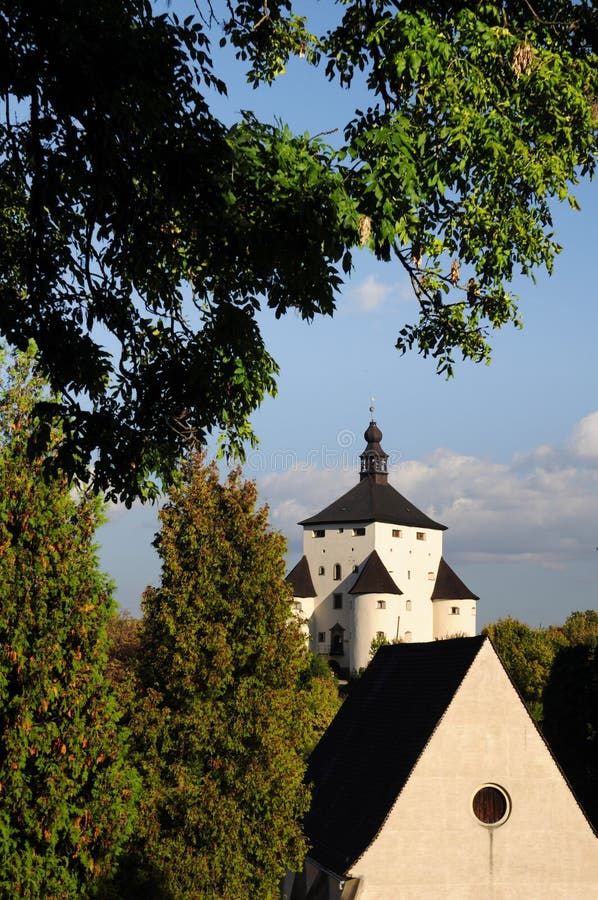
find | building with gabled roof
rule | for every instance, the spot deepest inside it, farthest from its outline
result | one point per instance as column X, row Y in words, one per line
column 433, row 782
column 374, row 562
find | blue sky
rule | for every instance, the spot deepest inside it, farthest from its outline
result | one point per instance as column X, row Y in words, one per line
column 505, row 455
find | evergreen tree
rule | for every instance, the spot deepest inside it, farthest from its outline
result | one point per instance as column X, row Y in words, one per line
column 66, row 791
column 321, row 699
column 226, row 657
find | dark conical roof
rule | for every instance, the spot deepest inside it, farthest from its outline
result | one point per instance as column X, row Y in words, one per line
column 375, row 578
column 372, row 434
column 372, row 501
column 449, row 586
column 300, row 578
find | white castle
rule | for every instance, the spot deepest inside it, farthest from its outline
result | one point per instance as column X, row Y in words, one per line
column 372, row 567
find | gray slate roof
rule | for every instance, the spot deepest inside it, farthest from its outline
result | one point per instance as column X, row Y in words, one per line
column 371, row 501
column 364, row 759
column 448, row 585
column 374, row 578
column 300, row 578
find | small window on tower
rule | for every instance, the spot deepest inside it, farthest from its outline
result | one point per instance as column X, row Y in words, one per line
column 381, row 635
column 337, row 601
column 420, row 535
column 356, row 569
column 358, row 532
column 318, row 533
column 298, row 607
column 431, row 576
column 408, row 637
column 380, row 604
column 455, row 610
column 321, row 570
column 321, row 637
column 337, row 572
column 408, row 605
column 396, row 532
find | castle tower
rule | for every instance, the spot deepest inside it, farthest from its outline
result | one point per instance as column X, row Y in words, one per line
column 374, row 562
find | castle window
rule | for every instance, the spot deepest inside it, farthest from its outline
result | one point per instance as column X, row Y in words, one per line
column 337, row 601
column 381, row 635
column 356, row 569
column 341, row 530
column 455, row 610
column 408, row 574
column 420, row 535
column 396, row 532
column 318, row 533
column 298, row 607
column 358, row 532
column 321, row 570
column 337, row 572
column 408, row 605
column 431, row 576
column 408, row 637
column 321, row 637
column 380, row 604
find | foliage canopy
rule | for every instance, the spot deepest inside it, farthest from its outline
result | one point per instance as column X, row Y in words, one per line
column 139, row 235
column 66, row 790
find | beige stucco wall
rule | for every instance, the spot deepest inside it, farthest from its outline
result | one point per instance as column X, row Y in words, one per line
column 432, row 847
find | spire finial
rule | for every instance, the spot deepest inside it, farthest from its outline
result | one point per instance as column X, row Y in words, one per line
column 373, row 458
column 372, row 401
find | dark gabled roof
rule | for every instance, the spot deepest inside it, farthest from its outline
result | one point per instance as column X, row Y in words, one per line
column 371, row 501
column 449, row 586
column 364, row 759
column 300, row 578
column 374, row 578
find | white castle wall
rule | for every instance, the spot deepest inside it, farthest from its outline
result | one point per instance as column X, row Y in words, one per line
column 370, row 619
column 304, row 610
column 454, row 618
column 339, row 546
column 412, row 562
column 413, row 565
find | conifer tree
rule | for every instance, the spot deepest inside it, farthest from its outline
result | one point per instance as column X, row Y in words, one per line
column 66, row 791
column 221, row 648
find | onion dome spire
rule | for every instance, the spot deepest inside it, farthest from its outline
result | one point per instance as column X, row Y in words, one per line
column 374, row 459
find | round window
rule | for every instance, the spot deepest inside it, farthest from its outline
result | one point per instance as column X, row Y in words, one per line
column 491, row 805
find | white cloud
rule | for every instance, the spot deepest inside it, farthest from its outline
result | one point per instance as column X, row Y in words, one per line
column 584, row 437
column 370, row 294
column 541, row 508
